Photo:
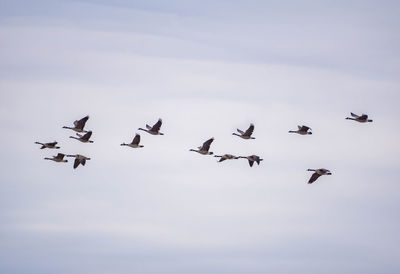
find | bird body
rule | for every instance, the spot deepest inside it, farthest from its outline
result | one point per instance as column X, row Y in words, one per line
column 252, row 159
column 135, row 142
column 79, row 159
column 83, row 138
column 317, row 173
column 247, row 134
column 155, row 129
column 204, row 149
column 302, row 130
column 361, row 119
column 226, row 157
column 79, row 125
column 58, row 158
column 48, row 145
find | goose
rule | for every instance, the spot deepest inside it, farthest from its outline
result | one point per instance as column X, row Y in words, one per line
column 135, row 142
column 303, row 130
column 317, row 173
column 83, row 138
column 226, row 157
column 362, row 119
column 155, row 129
column 48, row 145
column 247, row 134
column 79, row 159
column 252, row 159
column 204, row 148
column 79, row 125
column 58, row 158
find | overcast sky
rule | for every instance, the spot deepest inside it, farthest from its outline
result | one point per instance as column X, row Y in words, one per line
column 205, row 68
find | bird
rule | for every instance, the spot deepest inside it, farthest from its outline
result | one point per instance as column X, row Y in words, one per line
column 79, row 159
column 83, row 138
column 155, row 129
column 362, row 119
column 317, row 173
column 135, row 142
column 58, row 158
column 303, row 130
column 226, row 157
column 79, row 125
column 204, row 149
column 48, row 145
column 252, row 159
column 247, row 134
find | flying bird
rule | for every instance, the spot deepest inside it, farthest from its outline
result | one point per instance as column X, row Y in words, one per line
column 317, row 173
column 303, row 130
column 226, row 157
column 204, row 149
column 155, row 129
column 48, row 145
column 79, row 125
column 58, row 158
column 135, row 142
column 79, row 159
column 361, row 119
column 83, row 138
column 246, row 134
column 252, row 159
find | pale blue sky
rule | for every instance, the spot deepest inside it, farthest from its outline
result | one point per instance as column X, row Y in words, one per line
column 206, row 68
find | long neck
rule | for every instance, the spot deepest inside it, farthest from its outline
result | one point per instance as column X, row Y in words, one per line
column 236, row 134
column 143, row 129
column 310, row 169
column 74, row 137
column 48, row 158
column 68, row 127
column 292, row 131
column 349, row 118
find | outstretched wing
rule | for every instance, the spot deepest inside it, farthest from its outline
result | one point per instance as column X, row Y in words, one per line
column 304, row 128
column 313, row 178
column 157, row 125
column 136, row 140
column 80, row 124
column 364, row 117
column 52, row 144
column 240, row 131
column 60, row 156
column 249, row 131
column 354, row 115
column 251, row 162
column 206, row 144
column 87, row 136
column 76, row 162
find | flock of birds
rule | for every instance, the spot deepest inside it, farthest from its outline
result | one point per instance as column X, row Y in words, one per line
column 204, row 149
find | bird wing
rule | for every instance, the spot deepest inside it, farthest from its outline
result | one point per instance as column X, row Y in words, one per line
column 354, row 115
column 60, row 156
column 222, row 159
column 364, row 117
column 251, row 162
column 206, row 144
column 76, row 162
column 87, row 135
column 80, row 124
column 304, row 128
column 83, row 161
column 249, row 131
column 157, row 125
column 52, row 144
column 136, row 140
column 240, row 131
column 313, row 178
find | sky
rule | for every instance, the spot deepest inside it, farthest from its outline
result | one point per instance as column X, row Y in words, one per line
column 206, row 68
